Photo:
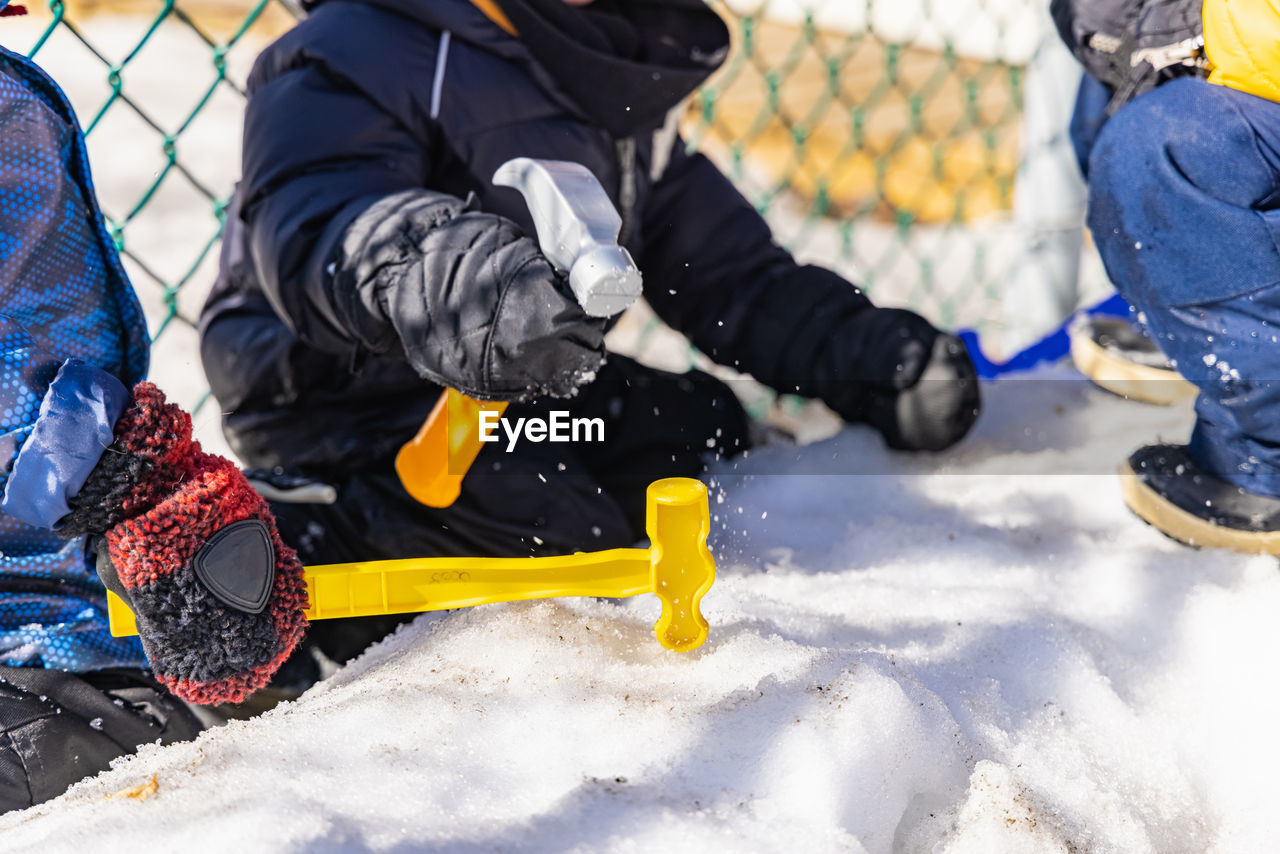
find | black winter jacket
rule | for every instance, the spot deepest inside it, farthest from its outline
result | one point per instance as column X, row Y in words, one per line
column 374, row 121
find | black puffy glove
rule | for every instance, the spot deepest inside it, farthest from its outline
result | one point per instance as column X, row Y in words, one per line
column 892, row 369
column 938, row 408
column 471, row 301
column 813, row 333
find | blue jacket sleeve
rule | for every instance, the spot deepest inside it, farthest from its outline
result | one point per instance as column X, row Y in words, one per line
column 56, row 418
column 60, row 275
column 25, row 375
column 70, row 324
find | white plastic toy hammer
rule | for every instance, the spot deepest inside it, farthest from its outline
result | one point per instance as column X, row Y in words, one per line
column 577, row 229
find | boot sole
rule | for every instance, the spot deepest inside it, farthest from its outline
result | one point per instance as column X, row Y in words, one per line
column 1125, row 378
column 1176, row 523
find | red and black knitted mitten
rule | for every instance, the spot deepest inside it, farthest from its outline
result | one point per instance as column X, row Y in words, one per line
column 219, row 599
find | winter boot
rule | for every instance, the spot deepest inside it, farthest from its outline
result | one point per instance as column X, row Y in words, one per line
column 1117, row 356
column 1165, row 487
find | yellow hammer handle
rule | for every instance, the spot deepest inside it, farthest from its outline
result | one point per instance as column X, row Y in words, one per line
column 411, row 585
column 433, row 463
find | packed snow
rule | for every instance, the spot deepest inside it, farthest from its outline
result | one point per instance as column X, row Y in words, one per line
column 976, row 652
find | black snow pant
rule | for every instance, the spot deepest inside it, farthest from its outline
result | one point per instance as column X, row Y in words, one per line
column 539, row 499
column 57, row 728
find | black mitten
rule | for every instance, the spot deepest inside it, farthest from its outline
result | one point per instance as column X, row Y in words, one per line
column 815, row 334
column 935, row 411
column 471, row 301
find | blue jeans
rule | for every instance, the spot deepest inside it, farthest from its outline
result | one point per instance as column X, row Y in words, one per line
column 1184, row 205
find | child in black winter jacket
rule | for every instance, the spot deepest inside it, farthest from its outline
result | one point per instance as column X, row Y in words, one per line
column 371, row 262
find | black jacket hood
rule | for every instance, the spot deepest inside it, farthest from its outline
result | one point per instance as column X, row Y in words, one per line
column 623, row 63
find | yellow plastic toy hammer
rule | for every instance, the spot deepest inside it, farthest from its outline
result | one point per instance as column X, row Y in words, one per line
column 677, row 568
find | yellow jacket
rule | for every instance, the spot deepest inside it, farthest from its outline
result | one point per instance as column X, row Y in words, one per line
column 1242, row 42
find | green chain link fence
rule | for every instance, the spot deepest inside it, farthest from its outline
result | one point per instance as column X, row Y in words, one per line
column 857, row 131
column 214, row 62
column 881, row 139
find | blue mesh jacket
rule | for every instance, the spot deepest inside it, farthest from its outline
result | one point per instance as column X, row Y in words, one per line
column 72, row 340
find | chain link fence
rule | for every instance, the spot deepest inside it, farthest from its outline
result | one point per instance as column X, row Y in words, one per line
column 883, row 138
column 209, row 63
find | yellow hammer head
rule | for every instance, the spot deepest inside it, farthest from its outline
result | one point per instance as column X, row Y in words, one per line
column 678, row 521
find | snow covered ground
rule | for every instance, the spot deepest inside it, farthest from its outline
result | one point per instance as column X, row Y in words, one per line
column 977, row 653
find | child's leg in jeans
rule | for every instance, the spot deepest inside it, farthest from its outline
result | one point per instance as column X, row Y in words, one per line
column 1185, row 208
